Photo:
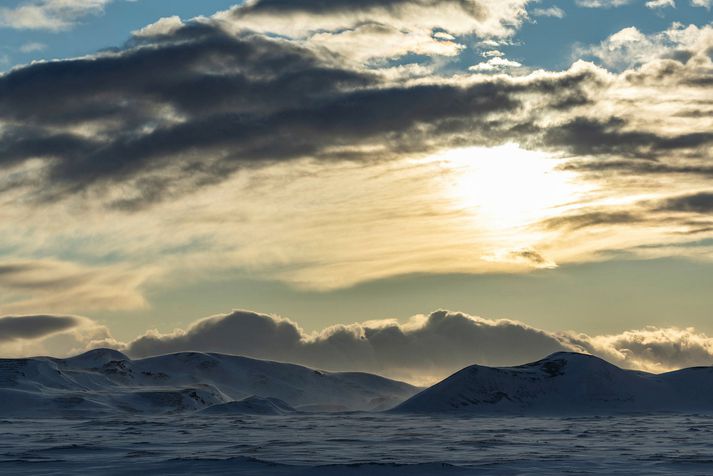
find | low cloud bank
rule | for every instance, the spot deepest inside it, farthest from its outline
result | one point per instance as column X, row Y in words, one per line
column 422, row 350
column 425, row 348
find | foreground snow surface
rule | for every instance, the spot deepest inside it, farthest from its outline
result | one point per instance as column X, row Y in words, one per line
column 359, row 443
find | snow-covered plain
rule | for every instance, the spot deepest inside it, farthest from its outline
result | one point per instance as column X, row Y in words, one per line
column 195, row 413
column 359, row 443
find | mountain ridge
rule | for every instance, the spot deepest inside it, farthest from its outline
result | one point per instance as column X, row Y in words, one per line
column 565, row 382
column 105, row 380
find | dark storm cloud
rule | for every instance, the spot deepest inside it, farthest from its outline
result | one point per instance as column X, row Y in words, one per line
column 34, row 327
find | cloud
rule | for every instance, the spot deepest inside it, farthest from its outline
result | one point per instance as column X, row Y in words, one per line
column 161, row 27
column 534, row 257
column 33, row 327
column 614, row 137
column 653, row 4
column 426, row 347
column 591, row 218
column 58, row 286
column 422, row 350
column 497, row 63
column 53, row 15
column 553, row 12
column 696, row 203
column 55, row 335
column 32, row 47
column 368, row 32
column 629, row 47
column 652, row 349
column 118, row 119
column 602, row 3
column 115, row 150
column 241, row 99
column 301, row 17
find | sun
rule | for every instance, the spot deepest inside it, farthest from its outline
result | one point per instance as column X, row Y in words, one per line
column 507, row 189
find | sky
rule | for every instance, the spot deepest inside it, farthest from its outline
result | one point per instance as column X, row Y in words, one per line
column 402, row 187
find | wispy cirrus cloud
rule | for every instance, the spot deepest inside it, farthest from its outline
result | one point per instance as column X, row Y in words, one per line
column 57, row 286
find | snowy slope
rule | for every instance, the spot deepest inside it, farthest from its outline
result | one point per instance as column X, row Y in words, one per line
column 251, row 406
column 565, row 383
column 105, row 380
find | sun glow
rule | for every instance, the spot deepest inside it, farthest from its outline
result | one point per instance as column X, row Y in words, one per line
column 507, row 189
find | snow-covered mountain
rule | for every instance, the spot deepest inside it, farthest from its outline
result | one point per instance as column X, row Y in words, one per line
column 565, row 383
column 105, row 380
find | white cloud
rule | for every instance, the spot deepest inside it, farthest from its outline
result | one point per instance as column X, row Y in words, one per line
column 53, row 15
column 366, row 31
column 496, row 63
column 370, row 42
column 653, row 349
column 661, row 4
column 602, row 3
column 630, row 47
column 32, row 47
column 554, row 12
column 163, row 26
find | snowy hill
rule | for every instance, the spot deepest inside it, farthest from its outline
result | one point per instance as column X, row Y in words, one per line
column 104, row 380
column 565, row 383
